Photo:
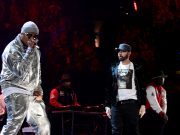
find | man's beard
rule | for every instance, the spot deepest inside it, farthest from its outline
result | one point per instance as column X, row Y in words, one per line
column 123, row 58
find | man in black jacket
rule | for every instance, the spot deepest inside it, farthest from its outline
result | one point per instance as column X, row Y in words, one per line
column 125, row 96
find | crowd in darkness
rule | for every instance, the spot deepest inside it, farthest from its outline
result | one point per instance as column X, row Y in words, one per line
column 67, row 39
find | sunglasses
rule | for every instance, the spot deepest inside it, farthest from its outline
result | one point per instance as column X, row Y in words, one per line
column 30, row 35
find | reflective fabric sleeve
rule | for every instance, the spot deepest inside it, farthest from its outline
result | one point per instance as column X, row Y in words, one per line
column 17, row 63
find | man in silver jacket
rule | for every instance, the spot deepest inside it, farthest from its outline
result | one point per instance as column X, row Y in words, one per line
column 21, row 83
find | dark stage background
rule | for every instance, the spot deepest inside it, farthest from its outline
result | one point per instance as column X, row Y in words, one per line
column 79, row 36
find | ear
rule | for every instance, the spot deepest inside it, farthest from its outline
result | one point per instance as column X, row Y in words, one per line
column 23, row 38
column 21, row 35
column 129, row 53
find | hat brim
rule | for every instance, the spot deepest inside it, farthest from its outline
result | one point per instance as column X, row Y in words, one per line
column 117, row 49
column 164, row 76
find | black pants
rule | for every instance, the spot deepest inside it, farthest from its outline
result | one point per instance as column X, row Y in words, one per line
column 125, row 118
column 152, row 124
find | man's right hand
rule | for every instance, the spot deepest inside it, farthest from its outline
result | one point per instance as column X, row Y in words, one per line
column 108, row 112
column 164, row 116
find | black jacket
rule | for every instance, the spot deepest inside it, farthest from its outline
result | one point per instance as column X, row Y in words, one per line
column 111, row 88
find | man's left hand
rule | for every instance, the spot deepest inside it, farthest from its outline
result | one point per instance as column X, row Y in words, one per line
column 142, row 111
column 38, row 98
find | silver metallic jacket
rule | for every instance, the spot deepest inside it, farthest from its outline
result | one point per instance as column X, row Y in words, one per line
column 21, row 67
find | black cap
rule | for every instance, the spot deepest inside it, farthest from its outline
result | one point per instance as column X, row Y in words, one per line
column 123, row 47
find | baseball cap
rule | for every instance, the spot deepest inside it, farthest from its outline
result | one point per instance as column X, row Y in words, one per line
column 123, row 47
